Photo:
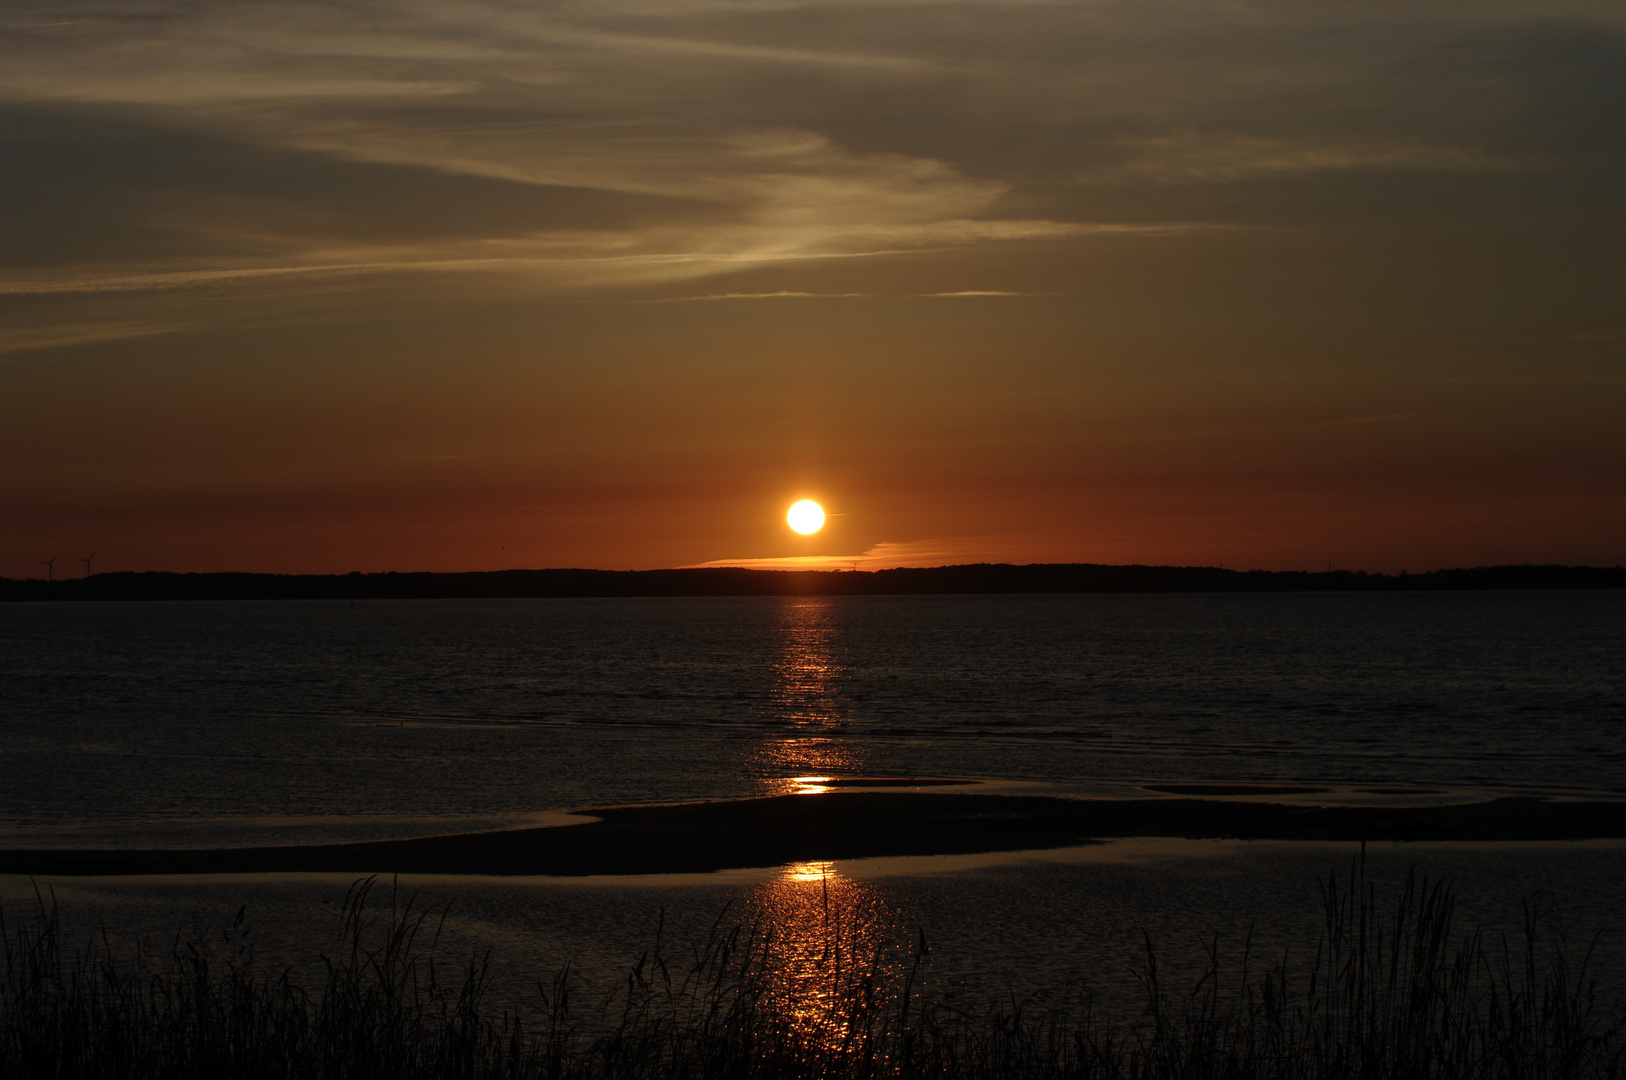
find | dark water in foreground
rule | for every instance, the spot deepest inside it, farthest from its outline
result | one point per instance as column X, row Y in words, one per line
column 206, row 724
column 1036, row 927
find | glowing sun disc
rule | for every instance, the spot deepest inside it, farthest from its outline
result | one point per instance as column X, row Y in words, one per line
column 806, row 517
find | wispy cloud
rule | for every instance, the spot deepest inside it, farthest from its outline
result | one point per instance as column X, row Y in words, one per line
column 791, row 294
column 570, row 264
column 987, row 292
column 781, row 294
column 736, row 123
column 34, row 338
column 625, row 98
column 1187, row 155
column 892, row 554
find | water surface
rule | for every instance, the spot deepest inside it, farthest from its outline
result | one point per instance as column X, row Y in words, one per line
column 202, row 724
column 206, row 722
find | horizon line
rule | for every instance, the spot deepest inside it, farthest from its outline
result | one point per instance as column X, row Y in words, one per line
column 837, row 568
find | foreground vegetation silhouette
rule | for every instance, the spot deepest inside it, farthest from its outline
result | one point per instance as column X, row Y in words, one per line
column 1391, row 992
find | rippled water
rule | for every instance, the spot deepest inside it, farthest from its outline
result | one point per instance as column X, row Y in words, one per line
column 203, row 724
column 999, row 928
column 229, row 722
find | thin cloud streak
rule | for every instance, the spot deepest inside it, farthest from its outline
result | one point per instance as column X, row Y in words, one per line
column 892, row 555
column 790, row 294
column 1227, row 157
column 782, row 294
column 34, row 339
column 987, row 292
column 416, row 84
column 637, row 267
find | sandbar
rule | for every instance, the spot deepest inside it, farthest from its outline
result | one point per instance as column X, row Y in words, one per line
column 1234, row 789
column 703, row 837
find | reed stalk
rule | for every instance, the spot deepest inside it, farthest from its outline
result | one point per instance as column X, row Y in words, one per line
column 1390, row 992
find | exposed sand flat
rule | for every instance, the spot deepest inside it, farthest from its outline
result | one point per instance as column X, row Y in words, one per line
column 701, row 837
column 890, row 781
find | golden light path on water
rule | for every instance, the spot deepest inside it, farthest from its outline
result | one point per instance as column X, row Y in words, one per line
column 806, row 706
column 833, row 945
column 833, row 949
column 810, row 871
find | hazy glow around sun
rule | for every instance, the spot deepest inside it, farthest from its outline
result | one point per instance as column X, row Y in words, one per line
column 806, row 517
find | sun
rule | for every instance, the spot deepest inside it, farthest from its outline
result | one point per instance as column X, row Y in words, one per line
column 806, row 517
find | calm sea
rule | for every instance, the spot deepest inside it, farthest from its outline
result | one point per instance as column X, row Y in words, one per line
column 205, row 722
column 221, row 723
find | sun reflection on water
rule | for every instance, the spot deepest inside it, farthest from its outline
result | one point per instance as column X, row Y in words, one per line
column 834, row 944
column 809, row 665
column 805, row 703
column 809, row 871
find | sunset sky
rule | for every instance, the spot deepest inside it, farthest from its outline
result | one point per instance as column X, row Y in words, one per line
column 431, row 286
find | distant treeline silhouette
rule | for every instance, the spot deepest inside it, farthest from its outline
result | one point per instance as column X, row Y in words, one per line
column 941, row 580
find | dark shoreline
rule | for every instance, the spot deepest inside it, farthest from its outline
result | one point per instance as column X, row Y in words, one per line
column 703, row 837
column 926, row 581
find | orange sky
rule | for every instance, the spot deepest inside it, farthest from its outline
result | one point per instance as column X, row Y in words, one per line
column 295, row 287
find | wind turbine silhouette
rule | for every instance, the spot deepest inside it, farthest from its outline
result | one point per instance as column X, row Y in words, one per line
column 50, row 568
column 86, row 561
